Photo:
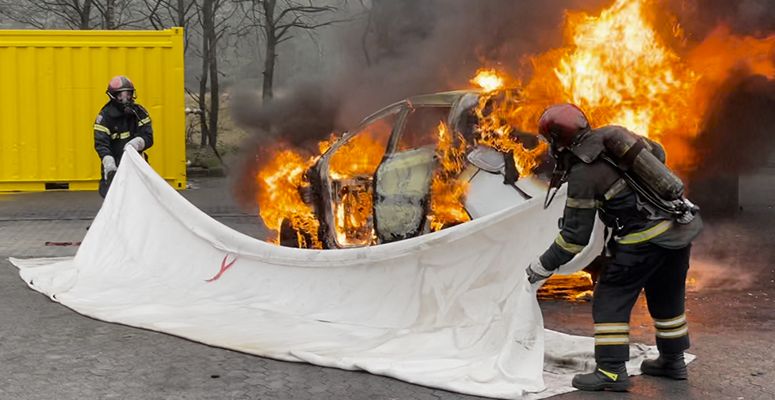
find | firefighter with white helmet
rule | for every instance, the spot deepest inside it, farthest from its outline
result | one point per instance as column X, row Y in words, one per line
column 614, row 173
column 120, row 123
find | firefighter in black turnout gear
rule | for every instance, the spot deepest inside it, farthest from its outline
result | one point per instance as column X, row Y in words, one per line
column 120, row 123
column 622, row 176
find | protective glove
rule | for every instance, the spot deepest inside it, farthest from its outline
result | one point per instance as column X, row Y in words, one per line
column 108, row 166
column 536, row 272
column 138, row 143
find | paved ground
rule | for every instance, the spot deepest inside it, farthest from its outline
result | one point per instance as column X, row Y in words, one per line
column 48, row 351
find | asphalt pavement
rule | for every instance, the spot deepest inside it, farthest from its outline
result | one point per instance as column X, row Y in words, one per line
column 48, row 351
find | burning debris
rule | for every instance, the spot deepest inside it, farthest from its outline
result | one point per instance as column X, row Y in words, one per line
column 572, row 287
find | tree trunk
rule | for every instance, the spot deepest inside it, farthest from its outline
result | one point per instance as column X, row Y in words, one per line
column 85, row 15
column 204, row 132
column 271, row 48
column 215, row 98
column 269, row 70
column 206, row 14
column 110, row 14
column 181, row 20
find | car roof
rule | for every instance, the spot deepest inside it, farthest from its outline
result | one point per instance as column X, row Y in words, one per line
column 439, row 99
column 423, row 100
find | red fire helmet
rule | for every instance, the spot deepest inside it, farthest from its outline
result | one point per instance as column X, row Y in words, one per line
column 560, row 123
column 119, row 84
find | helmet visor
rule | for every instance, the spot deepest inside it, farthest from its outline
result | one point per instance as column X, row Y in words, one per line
column 124, row 97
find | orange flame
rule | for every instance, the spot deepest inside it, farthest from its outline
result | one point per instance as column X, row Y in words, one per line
column 489, row 80
column 722, row 52
column 361, row 155
column 351, row 169
column 618, row 69
column 279, row 183
column 447, row 192
column 498, row 113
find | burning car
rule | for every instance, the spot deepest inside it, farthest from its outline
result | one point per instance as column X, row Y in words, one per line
column 413, row 167
column 416, row 166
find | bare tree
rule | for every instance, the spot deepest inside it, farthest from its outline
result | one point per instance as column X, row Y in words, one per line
column 117, row 14
column 277, row 19
column 108, row 14
column 206, row 15
column 163, row 14
column 73, row 14
column 213, row 17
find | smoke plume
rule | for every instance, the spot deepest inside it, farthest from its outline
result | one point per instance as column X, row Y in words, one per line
column 740, row 127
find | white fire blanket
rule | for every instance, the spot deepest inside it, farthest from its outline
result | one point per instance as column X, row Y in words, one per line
column 450, row 310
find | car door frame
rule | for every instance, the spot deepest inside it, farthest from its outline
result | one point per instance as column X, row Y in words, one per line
column 392, row 150
column 322, row 180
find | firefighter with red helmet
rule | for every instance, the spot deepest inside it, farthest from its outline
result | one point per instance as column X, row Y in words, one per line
column 613, row 173
column 120, row 123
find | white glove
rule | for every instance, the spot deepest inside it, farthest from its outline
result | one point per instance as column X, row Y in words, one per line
column 108, row 166
column 138, row 143
column 536, row 272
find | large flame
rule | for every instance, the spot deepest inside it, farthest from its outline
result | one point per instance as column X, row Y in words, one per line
column 621, row 71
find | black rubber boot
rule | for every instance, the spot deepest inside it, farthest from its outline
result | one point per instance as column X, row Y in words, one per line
column 667, row 365
column 610, row 377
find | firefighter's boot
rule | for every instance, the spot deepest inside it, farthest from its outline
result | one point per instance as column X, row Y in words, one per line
column 606, row 376
column 667, row 365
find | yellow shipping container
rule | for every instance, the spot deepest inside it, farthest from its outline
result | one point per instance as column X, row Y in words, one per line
column 52, row 85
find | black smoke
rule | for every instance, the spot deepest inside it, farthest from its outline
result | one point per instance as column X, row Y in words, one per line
column 738, row 137
column 739, row 132
column 744, row 17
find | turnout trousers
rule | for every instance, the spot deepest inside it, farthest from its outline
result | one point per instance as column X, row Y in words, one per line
column 662, row 273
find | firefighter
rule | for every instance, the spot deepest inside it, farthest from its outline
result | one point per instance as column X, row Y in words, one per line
column 649, row 245
column 120, row 123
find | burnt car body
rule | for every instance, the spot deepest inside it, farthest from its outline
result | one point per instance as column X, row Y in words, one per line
column 390, row 186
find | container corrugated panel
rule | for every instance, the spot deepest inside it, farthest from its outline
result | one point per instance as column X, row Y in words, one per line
column 52, row 85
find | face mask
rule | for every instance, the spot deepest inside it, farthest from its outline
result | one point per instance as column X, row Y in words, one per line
column 125, row 98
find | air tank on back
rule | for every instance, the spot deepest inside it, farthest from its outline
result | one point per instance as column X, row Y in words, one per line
column 632, row 153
